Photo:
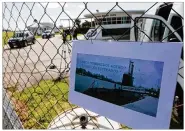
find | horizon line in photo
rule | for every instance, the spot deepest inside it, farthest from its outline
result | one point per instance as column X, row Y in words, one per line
column 139, row 73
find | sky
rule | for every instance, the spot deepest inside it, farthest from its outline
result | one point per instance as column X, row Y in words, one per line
column 146, row 73
column 12, row 19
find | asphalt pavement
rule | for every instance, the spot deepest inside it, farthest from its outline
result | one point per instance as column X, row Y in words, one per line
column 27, row 66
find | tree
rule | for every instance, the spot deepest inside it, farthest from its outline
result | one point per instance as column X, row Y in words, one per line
column 78, row 21
column 87, row 24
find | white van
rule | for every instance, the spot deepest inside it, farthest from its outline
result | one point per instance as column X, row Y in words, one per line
column 166, row 25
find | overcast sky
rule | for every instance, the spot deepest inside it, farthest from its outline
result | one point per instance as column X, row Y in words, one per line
column 146, row 73
column 54, row 11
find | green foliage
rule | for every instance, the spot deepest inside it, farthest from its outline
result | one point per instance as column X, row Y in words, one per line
column 78, row 21
column 87, row 24
column 44, row 102
column 68, row 36
column 6, row 36
column 125, row 127
column 37, row 36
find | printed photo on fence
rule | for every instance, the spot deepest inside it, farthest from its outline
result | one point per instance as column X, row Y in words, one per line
column 130, row 83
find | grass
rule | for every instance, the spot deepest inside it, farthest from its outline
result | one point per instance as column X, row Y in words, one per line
column 79, row 34
column 68, row 36
column 6, row 36
column 37, row 36
column 38, row 105
column 42, row 103
column 58, row 33
column 125, row 127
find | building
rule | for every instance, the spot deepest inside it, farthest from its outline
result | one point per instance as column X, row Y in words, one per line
column 38, row 29
column 115, row 23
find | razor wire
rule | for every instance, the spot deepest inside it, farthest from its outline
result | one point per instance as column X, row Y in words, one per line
column 12, row 66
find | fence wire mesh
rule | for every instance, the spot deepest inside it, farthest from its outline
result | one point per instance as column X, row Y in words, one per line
column 36, row 71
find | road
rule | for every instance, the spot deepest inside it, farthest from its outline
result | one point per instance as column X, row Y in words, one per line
column 27, row 66
column 148, row 105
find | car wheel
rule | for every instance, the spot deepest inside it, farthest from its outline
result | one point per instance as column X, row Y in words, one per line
column 25, row 43
column 33, row 42
column 11, row 46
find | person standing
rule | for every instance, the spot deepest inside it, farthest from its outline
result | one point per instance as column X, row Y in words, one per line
column 64, row 36
column 70, row 34
column 75, row 35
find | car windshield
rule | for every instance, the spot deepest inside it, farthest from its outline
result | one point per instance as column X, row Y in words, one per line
column 18, row 34
column 47, row 31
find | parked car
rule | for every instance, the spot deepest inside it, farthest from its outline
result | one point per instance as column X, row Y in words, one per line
column 48, row 34
column 21, row 39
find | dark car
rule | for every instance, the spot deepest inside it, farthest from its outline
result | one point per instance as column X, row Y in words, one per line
column 48, row 34
column 21, row 39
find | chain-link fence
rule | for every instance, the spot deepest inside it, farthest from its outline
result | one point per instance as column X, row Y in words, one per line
column 37, row 46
